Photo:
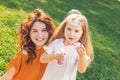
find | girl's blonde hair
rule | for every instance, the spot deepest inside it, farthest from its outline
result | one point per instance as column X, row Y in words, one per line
column 82, row 21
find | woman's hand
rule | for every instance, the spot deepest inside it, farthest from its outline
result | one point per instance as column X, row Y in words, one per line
column 9, row 74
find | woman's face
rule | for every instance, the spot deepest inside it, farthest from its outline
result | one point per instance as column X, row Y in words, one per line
column 39, row 34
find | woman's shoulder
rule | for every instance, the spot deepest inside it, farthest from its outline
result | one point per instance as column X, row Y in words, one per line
column 24, row 52
column 17, row 59
column 20, row 54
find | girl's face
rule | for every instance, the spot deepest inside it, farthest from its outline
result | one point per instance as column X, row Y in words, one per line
column 72, row 33
column 39, row 34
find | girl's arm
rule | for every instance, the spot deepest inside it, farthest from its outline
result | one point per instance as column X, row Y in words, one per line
column 9, row 74
column 82, row 62
column 45, row 57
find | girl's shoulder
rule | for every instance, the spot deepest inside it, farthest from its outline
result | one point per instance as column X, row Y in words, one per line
column 55, row 42
column 59, row 40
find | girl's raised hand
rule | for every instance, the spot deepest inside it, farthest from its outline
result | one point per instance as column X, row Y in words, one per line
column 81, row 50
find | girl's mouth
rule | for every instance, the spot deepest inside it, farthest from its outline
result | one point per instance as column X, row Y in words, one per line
column 70, row 38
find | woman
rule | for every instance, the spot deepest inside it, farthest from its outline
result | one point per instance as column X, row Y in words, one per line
column 34, row 33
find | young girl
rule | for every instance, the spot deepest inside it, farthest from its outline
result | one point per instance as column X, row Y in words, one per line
column 34, row 33
column 70, row 49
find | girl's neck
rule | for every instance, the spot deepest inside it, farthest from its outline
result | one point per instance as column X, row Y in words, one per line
column 67, row 43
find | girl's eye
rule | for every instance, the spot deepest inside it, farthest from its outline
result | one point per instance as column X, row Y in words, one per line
column 68, row 29
column 76, row 31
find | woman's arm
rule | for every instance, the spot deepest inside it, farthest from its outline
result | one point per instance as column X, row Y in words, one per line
column 9, row 74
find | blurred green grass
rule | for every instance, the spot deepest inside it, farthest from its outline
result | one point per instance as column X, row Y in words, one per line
column 103, row 18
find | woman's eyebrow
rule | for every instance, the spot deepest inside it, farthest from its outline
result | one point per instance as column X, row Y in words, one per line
column 33, row 29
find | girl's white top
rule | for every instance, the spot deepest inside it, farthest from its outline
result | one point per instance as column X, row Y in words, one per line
column 67, row 70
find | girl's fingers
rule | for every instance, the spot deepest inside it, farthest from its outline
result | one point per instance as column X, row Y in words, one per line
column 82, row 47
column 60, row 57
column 81, row 50
column 78, row 50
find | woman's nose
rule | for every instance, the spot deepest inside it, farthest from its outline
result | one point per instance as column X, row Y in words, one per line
column 40, row 34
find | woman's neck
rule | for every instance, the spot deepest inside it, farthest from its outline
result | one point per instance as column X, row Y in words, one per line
column 38, row 47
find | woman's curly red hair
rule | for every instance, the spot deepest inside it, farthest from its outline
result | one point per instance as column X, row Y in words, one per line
column 25, row 42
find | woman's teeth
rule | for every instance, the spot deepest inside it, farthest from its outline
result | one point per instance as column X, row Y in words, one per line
column 40, row 39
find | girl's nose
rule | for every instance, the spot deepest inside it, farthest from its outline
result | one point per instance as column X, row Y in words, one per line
column 72, row 33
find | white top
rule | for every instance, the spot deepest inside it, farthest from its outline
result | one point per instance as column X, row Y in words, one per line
column 65, row 71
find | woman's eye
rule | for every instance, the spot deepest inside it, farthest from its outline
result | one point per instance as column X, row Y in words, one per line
column 44, row 30
column 34, row 31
